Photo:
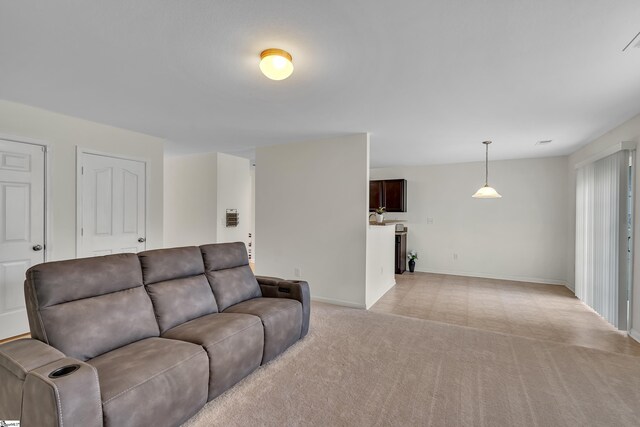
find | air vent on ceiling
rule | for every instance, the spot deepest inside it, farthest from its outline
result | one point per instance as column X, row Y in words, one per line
column 544, row 142
column 634, row 43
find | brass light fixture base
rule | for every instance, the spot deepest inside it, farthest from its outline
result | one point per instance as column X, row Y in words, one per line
column 277, row 52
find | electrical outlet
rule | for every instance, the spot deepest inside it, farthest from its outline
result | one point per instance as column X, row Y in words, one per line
column 455, row 256
column 429, row 220
column 297, row 272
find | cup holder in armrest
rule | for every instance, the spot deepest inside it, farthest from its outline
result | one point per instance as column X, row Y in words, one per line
column 64, row 371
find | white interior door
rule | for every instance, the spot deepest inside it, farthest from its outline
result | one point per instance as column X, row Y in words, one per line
column 22, row 204
column 113, row 193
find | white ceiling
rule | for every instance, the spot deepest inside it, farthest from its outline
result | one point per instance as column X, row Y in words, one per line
column 429, row 79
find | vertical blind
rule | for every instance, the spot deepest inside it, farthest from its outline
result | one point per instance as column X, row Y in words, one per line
column 601, row 236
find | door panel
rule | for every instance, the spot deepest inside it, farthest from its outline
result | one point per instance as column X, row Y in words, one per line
column 375, row 195
column 13, row 272
column 22, row 174
column 395, row 195
column 103, row 209
column 15, row 161
column 113, row 205
column 16, row 210
column 130, row 201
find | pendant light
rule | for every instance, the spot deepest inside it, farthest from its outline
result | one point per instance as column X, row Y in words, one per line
column 486, row 192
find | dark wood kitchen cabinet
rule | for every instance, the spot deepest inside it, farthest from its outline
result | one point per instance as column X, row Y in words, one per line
column 401, row 252
column 390, row 193
column 375, row 195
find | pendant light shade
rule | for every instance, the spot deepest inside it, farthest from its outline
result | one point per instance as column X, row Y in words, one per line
column 486, row 192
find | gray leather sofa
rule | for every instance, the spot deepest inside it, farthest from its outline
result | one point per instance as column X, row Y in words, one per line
column 146, row 339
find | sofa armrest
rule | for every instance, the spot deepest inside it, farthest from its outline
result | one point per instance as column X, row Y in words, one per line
column 274, row 287
column 63, row 393
column 17, row 359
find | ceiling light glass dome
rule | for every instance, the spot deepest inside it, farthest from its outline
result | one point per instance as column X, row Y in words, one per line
column 276, row 64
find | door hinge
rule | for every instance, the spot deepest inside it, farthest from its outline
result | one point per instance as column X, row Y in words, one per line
column 44, row 148
column 82, row 170
column 82, row 231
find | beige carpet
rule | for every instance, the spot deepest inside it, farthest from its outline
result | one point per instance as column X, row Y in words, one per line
column 533, row 310
column 359, row 368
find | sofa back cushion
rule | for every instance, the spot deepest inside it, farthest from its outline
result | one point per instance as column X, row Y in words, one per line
column 176, row 283
column 227, row 269
column 87, row 307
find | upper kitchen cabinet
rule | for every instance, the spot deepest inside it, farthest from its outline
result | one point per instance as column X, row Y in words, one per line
column 390, row 193
column 376, row 199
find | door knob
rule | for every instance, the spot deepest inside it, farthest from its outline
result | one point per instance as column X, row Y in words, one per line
column 37, row 248
column 142, row 240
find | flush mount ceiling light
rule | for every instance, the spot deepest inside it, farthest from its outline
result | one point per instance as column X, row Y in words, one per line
column 276, row 64
column 486, row 192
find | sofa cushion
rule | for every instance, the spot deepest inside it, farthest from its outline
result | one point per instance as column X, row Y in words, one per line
column 160, row 265
column 153, row 382
column 281, row 318
column 64, row 281
column 180, row 300
column 176, row 283
column 86, row 307
column 227, row 269
column 234, row 343
column 89, row 327
column 220, row 256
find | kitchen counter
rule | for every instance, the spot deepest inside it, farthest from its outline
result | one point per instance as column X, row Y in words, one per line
column 386, row 222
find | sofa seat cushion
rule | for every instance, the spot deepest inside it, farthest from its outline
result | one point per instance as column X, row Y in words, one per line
column 281, row 318
column 233, row 341
column 154, row 381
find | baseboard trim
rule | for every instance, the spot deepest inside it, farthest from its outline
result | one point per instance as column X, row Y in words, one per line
column 634, row 334
column 501, row 277
column 17, row 337
column 568, row 286
column 338, row 302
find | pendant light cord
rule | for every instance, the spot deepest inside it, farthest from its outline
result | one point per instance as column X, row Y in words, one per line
column 486, row 167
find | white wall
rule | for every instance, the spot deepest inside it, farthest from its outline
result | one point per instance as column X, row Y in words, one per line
column 380, row 262
column 199, row 189
column 628, row 131
column 190, row 200
column 64, row 134
column 522, row 236
column 234, row 192
column 311, row 201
